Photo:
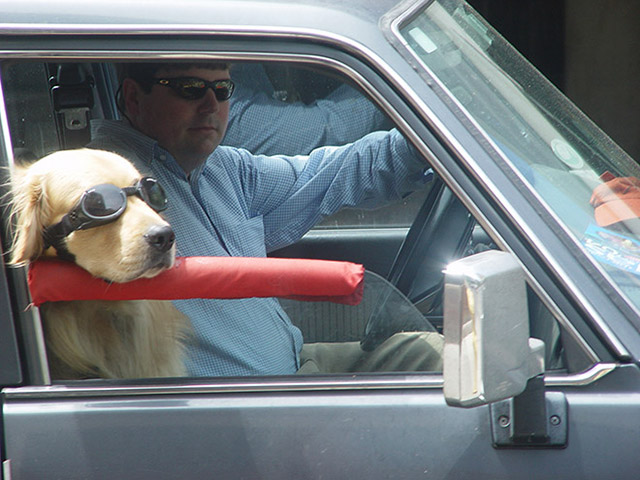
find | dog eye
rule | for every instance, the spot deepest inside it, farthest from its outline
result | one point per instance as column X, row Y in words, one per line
column 153, row 194
column 100, row 204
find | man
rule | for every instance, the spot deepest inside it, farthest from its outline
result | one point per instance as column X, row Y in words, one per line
column 226, row 201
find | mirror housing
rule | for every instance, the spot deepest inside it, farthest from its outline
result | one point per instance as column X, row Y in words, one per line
column 488, row 354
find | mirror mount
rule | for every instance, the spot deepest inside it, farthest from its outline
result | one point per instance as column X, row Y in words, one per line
column 535, row 418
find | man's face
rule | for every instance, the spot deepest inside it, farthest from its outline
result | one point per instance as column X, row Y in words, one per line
column 189, row 129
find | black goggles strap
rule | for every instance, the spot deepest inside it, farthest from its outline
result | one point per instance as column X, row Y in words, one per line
column 54, row 237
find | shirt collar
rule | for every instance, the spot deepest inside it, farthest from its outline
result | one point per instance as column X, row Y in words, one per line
column 145, row 148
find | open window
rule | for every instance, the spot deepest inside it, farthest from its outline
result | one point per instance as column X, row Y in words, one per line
column 404, row 246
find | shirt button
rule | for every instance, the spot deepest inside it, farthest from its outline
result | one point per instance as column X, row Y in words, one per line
column 162, row 157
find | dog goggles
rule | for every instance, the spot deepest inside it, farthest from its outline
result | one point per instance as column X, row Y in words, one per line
column 103, row 204
column 193, row 88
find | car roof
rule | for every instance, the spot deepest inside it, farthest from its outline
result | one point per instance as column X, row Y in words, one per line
column 303, row 13
column 357, row 25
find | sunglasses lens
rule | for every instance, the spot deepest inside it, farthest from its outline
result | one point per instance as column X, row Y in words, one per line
column 153, row 194
column 223, row 90
column 195, row 89
column 103, row 201
column 191, row 92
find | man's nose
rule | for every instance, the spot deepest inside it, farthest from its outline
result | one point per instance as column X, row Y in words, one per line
column 209, row 103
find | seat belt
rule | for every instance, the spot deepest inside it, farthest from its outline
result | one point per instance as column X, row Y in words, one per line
column 72, row 96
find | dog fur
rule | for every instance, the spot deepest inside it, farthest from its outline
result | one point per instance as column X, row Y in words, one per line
column 86, row 339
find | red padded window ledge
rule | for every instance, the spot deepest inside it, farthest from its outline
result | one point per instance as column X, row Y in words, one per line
column 53, row 280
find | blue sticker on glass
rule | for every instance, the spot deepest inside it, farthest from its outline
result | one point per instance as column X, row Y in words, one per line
column 613, row 248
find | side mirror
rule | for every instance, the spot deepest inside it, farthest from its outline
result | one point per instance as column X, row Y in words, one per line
column 488, row 354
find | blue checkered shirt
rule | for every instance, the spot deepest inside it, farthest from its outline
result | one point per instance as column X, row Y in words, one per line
column 238, row 204
column 262, row 123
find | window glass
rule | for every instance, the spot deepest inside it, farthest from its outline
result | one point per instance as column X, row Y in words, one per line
column 397, row 214
column 29, row 109
column 557, row 151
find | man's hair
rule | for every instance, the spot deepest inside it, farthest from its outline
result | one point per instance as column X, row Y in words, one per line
column 144, row 73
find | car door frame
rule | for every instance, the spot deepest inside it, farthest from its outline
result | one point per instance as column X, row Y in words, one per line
column 338, row 425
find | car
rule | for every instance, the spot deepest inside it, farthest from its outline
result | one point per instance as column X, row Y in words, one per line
column 506, row 253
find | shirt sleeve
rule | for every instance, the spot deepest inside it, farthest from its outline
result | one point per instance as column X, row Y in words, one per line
column 292, row 194
column 265, row 125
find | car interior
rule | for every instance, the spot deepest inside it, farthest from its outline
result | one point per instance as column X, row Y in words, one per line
column 404, row 247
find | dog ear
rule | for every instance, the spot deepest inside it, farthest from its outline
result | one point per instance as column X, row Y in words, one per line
column 29, row 212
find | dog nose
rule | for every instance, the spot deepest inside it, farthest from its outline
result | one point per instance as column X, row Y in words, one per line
column 160, row 237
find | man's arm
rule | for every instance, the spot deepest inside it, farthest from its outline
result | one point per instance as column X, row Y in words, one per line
column 265, row 125
column 293, row 193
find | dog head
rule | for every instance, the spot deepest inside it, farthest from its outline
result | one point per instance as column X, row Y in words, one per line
column 138, row 243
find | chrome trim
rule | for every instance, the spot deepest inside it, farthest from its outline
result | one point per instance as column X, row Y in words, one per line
column 102, row 29
column 284, row 33
column 4, row 127
column 286, row 384
column 6, row 469
column 269, row 384
column 582, row 379
column 35, row 347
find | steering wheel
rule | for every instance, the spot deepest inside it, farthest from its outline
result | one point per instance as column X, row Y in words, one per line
column 440, row 233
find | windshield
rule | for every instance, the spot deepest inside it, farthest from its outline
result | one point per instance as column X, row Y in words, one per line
column 556, row 149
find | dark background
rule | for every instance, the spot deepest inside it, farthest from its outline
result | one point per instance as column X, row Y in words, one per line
column 590, row 49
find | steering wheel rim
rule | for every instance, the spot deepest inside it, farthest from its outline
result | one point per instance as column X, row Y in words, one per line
column 440, row 233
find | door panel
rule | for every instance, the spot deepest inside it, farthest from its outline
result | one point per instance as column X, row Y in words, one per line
column 381, row 433
column 376, row 249
column 370, row 237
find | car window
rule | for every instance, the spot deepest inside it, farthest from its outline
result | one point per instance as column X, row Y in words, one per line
column 402, row 299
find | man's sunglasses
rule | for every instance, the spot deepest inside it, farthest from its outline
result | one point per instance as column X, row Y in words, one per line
column 193, row 88
column 104, row 204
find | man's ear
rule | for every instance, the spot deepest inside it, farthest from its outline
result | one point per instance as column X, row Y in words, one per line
column 131, row 93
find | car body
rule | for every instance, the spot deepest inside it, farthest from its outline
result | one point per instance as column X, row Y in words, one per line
column 515, row 163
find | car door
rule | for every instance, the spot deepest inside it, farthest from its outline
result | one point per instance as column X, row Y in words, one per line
column 339, row 425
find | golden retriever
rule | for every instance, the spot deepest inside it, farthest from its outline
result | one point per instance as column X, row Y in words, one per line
column 86, row 339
